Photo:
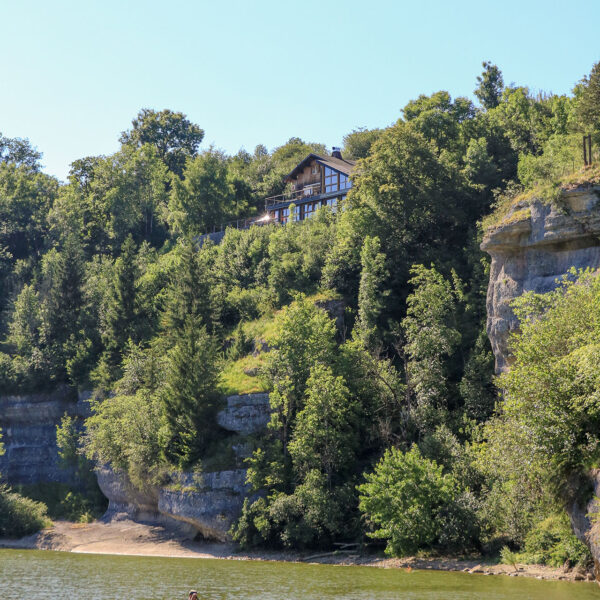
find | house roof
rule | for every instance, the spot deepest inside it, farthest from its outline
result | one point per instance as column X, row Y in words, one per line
column 338, row 164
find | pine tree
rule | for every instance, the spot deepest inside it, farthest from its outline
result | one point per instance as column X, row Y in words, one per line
column 122, row 317
column 189, row 399
column 189, row 292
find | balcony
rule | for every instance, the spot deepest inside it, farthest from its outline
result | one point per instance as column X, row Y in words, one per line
column 304, row 193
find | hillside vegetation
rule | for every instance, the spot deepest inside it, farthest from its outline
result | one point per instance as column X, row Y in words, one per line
column 388, row 428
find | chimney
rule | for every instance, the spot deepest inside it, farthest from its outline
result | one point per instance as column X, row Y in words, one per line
column 336, row 152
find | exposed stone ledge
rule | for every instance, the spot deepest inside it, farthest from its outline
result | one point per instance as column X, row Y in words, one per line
column 246, row 414
column 210, row 502
column 532, row 249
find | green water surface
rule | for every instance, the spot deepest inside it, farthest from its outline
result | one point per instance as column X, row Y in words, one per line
column 33, row 575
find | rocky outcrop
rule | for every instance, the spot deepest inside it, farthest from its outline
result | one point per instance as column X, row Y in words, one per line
column 535, row 245
column 210, row 502
column 246, row 414
column 124, row 499
column 205, row 503
column 532, row 247
column 28, row 424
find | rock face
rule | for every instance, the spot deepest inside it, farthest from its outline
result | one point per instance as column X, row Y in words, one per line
column 585, row 521
column 210, row 502
column 205, row 503
column 245, row 414
column 28, row 426
column 534, row 245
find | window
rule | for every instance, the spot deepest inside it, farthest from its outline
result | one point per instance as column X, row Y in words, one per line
column 310, row 209
column 331, row 180
column 332, row 203
column 345, row 182
column 285, row 213
column 315, row 169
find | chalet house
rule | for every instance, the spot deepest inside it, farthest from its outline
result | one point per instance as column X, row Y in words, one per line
column 317, row 181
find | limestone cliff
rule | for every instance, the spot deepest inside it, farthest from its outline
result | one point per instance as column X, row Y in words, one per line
column 536, row 243
column 206, row 503
column 28, row 424
column 532, row 247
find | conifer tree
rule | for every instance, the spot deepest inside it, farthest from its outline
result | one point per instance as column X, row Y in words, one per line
column 189, row 291
column 189, row 396
column 122, row 312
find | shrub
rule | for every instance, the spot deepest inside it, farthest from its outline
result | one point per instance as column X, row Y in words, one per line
column 410, row 502
column 65, row 503
column 20, row 516
column 551, row 542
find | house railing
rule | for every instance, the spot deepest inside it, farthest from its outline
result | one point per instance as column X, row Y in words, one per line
column 313, row 189
column 242, row 223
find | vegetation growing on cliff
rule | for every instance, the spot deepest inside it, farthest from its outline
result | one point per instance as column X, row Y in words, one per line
column 107, row 286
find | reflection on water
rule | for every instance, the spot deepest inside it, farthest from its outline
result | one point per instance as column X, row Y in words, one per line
column 37, row 575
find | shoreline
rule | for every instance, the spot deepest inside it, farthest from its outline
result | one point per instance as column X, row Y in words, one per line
column 131, row 538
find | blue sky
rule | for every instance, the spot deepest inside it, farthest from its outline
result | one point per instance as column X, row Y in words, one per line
column 74, row 73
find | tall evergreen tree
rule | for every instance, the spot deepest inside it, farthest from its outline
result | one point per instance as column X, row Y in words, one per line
column 189, row 293
column 122, row 315
column 189, row 396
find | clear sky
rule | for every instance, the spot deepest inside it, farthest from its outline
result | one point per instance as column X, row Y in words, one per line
column 74, row 73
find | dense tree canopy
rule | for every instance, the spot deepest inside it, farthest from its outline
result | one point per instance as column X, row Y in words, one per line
column 365, row 324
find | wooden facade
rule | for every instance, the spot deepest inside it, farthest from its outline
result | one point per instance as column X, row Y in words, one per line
column 317, row 181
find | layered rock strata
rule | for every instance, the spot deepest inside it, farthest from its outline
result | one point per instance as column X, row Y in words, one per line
column 533, row 247
column 28, row 424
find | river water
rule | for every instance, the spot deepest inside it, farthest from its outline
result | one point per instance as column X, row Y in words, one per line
column 39, row 575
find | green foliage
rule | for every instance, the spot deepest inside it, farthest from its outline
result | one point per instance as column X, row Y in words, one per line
column 325, row 436
column 588, row 101
column 491, row 85
column 188, row 397
column 204, row 197
column 20, row 516
column 171, row 133
column 551, row 542
column 551, row 390
column 66, row 503
column 370, row 294
column 431, row 337
column 405, row 499
column 125, row 432
column 357, row 144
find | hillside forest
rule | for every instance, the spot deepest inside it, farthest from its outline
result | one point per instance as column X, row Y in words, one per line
column 388, row 427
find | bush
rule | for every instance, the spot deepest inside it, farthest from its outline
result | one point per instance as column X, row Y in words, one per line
column 65, row 503
column 413, row 504
column 20, row 516
column 551, row 542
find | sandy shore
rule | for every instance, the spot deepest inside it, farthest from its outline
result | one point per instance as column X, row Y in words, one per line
column 140, row 539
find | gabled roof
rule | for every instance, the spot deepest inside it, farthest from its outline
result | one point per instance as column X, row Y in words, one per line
column 337, row 164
